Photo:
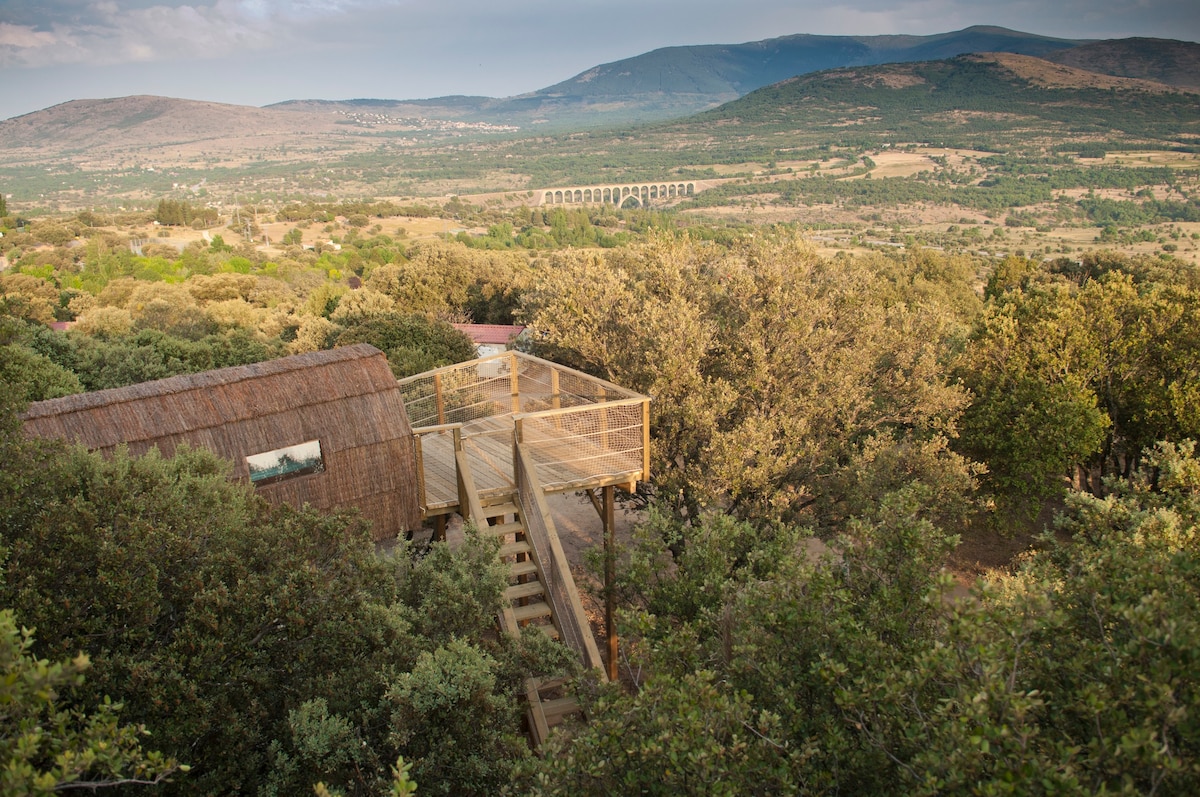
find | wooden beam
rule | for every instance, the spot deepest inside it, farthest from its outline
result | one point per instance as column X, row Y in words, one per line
column 441, row 427
column 539, row 729
column 591, row 494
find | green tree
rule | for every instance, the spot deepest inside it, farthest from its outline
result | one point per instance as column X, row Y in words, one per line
column 689, row 736
column 851, row 673
column 454, row 282
column 412, row 343
column 36, row 375
column 260, row 643
column 1076, row 377
column 51, row 744
column 1035, row 414
column 31, row 360
column 769, row 365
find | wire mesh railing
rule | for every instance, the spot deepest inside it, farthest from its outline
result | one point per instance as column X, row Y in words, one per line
column 577, row 428
column 502, row 384
column 596, row 441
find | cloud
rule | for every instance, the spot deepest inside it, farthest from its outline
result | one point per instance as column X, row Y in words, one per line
column 106, row 33
column 23, row 37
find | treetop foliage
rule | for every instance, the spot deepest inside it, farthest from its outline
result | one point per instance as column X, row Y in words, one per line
column 50, row 746
column 768, row 364
column 851, row 672
column 223, row 625
column 823, row 430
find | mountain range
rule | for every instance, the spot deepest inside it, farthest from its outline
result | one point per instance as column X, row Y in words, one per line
column 677, row 81
column 880, row 88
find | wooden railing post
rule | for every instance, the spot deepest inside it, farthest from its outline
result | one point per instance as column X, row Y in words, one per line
column 555, row 397
column 419, row 456
column 437, row 392
column 646, row 440
column 518, row 438
column 516, row 388
column 603, row 419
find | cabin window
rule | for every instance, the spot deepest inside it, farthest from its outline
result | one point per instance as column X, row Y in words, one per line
column 286, row 463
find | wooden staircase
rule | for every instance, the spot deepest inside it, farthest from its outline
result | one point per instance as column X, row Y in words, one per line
column 549, row 701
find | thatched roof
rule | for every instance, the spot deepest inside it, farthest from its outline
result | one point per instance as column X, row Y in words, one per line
column 347, row 398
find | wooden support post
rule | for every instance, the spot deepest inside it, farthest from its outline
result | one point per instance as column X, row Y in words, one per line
column 419, row 456
column 610, row 576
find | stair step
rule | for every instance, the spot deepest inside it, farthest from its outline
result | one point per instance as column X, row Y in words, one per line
column 550, row 630
column 522, row 568
column 502, row 529
column 513, row 548
column 557, row 709
column 552, row 683
column 496, row 510
column 526, row 590
column 532, row 611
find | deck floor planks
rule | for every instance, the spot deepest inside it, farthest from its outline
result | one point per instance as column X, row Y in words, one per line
column 562, row 465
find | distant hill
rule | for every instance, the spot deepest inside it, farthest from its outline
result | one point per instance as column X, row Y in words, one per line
column 677, row 81
column 1175, row 63
column 110, row 124
column 732, row 70
column 978, row 100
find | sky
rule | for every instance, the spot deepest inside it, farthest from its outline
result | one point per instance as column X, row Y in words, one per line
column 258, row 52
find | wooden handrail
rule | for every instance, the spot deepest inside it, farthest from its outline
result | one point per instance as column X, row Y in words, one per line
column 454, row 367
column 626, row 402
column 441, row 427
column 468, row 496
column 645, row 440
column 590, row 653
column 517, row 357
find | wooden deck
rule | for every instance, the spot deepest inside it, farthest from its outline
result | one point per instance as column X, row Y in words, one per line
column 580, row 432
column 491, row 438
column 564, row 466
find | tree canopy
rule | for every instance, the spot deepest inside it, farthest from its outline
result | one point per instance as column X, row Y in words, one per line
column 267, row 648
column 769, row 365
column 882, row 404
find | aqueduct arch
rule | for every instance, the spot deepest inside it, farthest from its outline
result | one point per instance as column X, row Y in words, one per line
column 641, row 193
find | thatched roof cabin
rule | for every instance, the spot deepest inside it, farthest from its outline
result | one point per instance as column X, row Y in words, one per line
column 328, row 429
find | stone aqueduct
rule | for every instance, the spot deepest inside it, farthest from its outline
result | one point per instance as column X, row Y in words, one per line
column 641, row 193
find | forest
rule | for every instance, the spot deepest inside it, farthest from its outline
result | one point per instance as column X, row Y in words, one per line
column 165, row 631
